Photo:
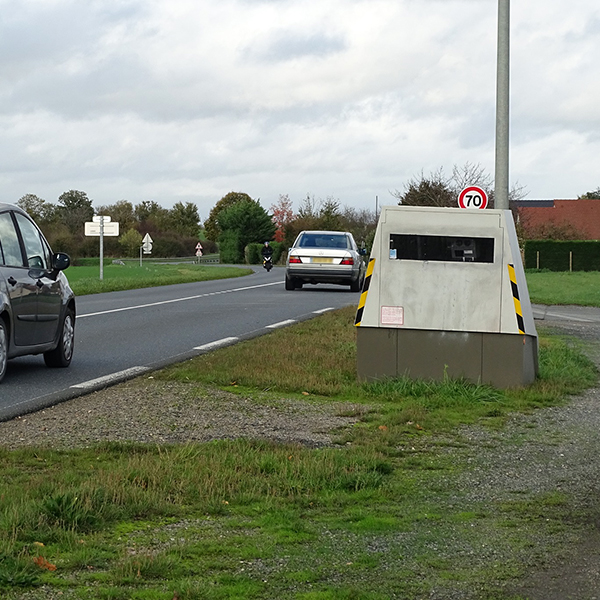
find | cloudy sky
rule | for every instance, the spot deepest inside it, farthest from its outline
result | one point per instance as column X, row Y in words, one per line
column 186, row 100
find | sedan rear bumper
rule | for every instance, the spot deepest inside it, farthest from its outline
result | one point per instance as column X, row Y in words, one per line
column 323, row 274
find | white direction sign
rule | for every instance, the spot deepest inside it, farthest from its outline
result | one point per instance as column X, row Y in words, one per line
column 100, row 218
column 472, row 197
column 110, row 229
column 147, row 244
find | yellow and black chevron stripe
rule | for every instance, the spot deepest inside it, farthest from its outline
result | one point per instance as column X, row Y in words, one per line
column 515, row 292
column 363, row 296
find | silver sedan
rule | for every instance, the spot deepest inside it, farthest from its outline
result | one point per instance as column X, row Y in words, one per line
column 325, row 257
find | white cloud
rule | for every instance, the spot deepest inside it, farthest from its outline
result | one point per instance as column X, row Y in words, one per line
column 190, row 99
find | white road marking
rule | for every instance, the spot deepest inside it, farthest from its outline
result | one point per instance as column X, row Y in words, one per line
column 557, row 316
column 107, row 379
column 115, row 310
column 281, row 324
column 542, row 314
column 323, row 310
column 217, row 344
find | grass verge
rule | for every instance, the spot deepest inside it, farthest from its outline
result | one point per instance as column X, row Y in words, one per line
column 379, row 515
column 579, row 287
column 86, row 279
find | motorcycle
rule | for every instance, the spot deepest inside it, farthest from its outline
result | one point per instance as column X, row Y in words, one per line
column 268, row 263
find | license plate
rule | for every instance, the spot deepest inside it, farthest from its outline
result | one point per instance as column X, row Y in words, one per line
column 322, row 260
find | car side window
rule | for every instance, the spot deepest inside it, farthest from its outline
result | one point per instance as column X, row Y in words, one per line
column 35, row 248
column 9, row 242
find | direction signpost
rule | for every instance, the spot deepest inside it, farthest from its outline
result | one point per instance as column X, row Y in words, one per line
column 473, row 197
column 146, row 246
column 100, row 226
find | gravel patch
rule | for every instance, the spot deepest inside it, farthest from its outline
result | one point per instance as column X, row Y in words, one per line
column 150, row 411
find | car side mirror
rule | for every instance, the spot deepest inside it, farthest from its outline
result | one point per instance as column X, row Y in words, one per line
column 60, row 261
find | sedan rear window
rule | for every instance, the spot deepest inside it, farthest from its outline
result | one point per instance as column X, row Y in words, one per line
column 319, row 240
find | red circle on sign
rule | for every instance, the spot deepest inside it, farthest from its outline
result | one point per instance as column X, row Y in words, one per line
column 473, row 197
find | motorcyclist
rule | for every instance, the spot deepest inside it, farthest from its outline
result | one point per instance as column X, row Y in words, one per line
column 267, row 255
column 266, row 251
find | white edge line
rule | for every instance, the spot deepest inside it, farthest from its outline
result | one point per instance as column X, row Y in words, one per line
column 162, row 302
column 217, row 344
column 323, row 310
column 281, row 324
column 110, row 378
column 578, row 319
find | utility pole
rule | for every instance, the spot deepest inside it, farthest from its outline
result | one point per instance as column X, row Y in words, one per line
column 501, row 179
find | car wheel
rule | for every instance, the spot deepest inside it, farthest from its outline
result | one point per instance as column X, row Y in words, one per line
column 289, row 283
column 63, row 353
column 3, row 349
column 355, row 285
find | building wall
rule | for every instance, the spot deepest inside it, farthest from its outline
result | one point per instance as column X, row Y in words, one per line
column 580, row 218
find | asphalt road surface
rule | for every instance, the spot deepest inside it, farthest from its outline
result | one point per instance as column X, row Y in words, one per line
column 119, row 335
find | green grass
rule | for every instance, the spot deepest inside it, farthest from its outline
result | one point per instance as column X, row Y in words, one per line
column 578, row 287
column 255, row 519
column 86, row 279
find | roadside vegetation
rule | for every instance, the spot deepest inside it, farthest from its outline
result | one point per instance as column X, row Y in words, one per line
column 128, row 276
column 378, row 515
column 564, row 287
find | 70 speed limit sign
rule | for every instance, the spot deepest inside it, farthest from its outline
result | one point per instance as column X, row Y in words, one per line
column 472, row 197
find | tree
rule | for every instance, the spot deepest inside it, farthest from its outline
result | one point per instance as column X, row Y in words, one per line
column 315, row 214
column 75, row 209
column 329, row 215
column 131, row 241
column 212, row 225
column 243, row 223
column 121, row 212
column 151, row 216
column 283, row 214
column 185, row 219
column 361, row 223
column 439, row 190
column 435, row 190
column 593, row 195
column 35, row 207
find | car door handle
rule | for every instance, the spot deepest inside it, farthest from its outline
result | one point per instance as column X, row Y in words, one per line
column 12, row 280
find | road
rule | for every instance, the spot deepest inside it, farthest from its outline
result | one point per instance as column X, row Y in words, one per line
column 119, row 335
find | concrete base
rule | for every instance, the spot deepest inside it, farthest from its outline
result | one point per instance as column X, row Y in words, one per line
column 499, row 359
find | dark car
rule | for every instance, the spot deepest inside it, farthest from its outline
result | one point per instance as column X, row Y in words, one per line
column 37, row 306
column 325, row 257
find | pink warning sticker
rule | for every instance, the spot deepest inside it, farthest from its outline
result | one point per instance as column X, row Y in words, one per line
column 392, row 315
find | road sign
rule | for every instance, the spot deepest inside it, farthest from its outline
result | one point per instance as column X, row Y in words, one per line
column 100, row 218
column 472, row 197
column 110, row 229
column 147, row 244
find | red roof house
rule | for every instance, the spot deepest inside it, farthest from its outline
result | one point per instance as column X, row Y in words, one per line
column 578, row 219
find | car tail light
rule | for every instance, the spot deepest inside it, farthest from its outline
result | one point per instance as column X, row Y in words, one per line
column 347, row 261
column 295, row 260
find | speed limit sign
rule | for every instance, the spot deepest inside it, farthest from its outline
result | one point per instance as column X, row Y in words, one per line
column 472, row 197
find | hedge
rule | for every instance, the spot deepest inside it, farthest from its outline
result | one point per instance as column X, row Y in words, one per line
column 562, row 255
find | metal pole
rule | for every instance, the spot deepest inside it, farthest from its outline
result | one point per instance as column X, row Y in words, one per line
column 502, row 106
column 101, row 248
